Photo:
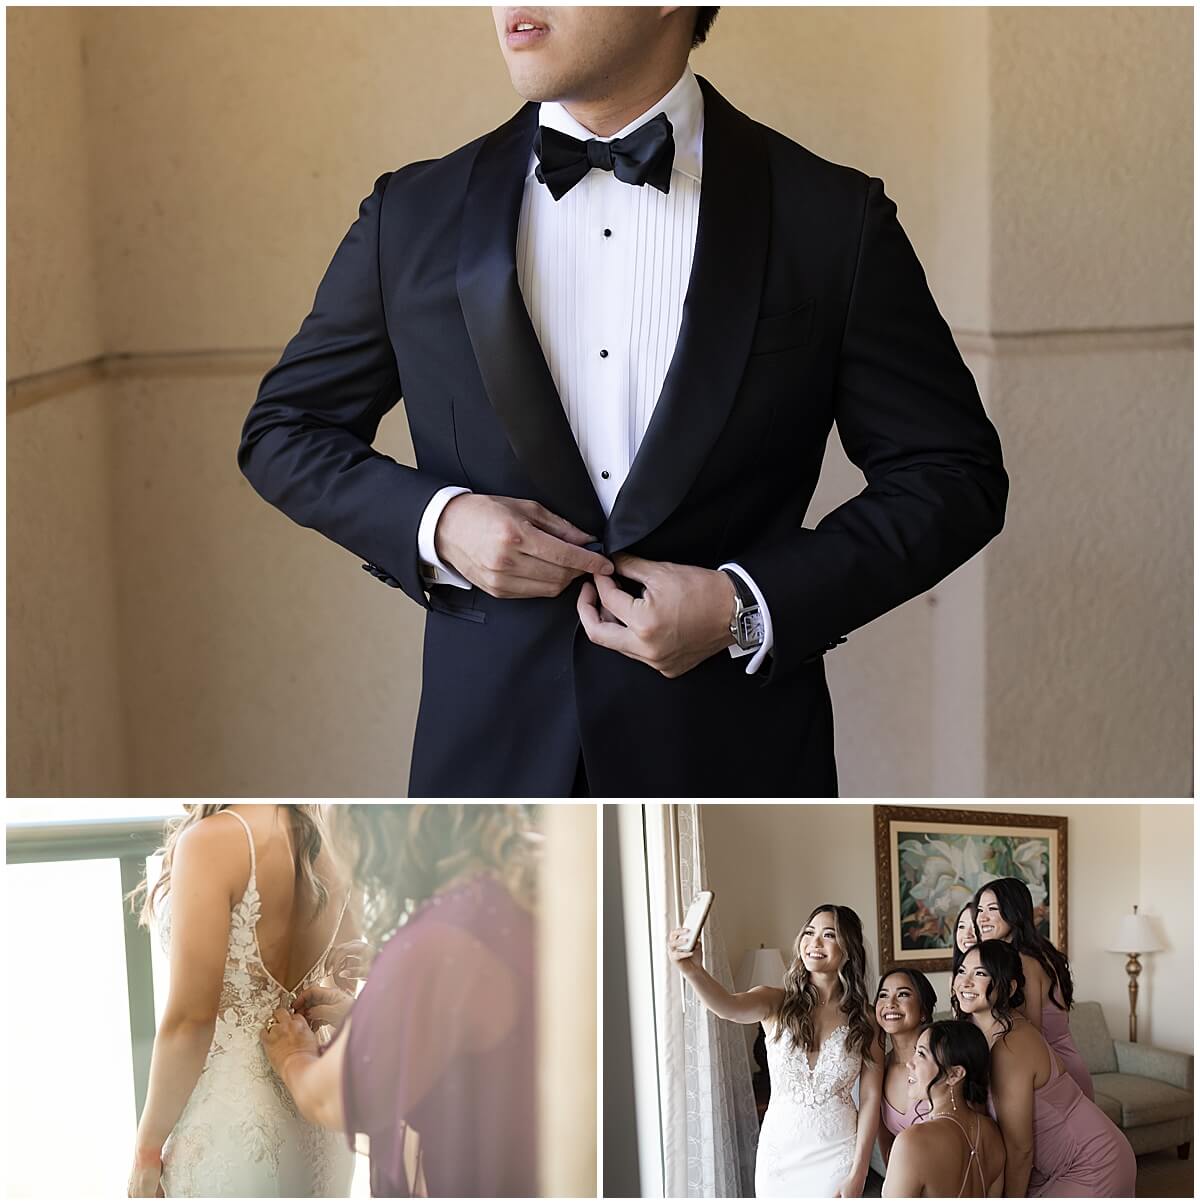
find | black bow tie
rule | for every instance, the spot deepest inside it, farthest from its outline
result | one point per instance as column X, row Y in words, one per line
column 642, row 157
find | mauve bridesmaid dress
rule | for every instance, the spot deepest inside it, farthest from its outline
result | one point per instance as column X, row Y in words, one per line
column 1077, row 1150
column 893, row 1120
column 1056, row 1029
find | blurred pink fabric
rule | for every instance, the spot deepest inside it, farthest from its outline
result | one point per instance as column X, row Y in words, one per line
column 442, row 1040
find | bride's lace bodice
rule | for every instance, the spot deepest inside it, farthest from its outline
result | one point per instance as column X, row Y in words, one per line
column 825, row 1085
column 250, row 994
column 808, row 1134
column 240, row 1133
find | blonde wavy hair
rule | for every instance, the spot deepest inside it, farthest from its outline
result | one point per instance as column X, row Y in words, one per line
column 404, row 851
column 800, row 998
column 308, row 838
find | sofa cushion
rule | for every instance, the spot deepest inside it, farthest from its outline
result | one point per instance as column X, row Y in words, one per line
column 1090, row 1034
column 1109, row 1106
column 1143, row 1101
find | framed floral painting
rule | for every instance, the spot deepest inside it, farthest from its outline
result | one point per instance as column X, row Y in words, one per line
column 930, row 860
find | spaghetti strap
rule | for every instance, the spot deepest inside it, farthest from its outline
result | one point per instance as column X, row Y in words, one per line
column 250, row 837
column 336, row 929
column 972, row 1155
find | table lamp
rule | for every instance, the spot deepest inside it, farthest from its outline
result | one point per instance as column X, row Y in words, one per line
column 1135, row 936
column 761, row 967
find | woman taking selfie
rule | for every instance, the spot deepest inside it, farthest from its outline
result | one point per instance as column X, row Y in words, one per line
column 957, row 1149
column 1004, row 912
column 250, row 906
column 1058, row 1142
column 820, row 1041
column 904, row 1003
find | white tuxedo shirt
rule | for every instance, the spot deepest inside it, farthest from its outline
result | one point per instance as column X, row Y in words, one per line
column 604, row 272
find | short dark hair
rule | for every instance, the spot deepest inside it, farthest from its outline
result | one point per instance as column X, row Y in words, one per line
column 959, row 1043
column 704, row 19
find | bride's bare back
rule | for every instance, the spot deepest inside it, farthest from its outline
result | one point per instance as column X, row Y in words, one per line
column 292, row 931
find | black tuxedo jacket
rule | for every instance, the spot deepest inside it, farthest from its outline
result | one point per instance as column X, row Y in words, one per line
column 806, row 306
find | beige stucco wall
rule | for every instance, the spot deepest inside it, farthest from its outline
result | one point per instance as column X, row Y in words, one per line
column 770, row 865
column 221, row 154
column 65, row 733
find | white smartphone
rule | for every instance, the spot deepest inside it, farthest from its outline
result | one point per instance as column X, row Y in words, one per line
column 697, row 913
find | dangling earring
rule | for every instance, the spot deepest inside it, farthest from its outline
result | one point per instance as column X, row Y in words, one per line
column 953, row 1105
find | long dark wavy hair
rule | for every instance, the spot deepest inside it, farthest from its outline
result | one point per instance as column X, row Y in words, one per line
column 1003, row 964
column 800, row 998
column 957, row 959
column 926, row 995
column 958, row 1043
column 308, row 838
column 404, row 851
column 1016, row 906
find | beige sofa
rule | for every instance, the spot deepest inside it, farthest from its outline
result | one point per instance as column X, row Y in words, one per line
column 1147, row 1091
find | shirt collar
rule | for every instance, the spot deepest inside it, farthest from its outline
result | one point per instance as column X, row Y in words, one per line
column 683, row 105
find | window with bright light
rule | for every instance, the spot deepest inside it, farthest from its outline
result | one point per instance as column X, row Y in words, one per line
column 72, row 1114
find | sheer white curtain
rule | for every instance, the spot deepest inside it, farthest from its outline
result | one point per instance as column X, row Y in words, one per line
column 709, row 1121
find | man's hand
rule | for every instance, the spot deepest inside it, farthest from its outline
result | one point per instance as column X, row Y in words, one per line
column 681, row 619
column 513, row 548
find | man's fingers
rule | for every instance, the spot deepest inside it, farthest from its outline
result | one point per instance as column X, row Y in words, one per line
column 559, row 527
column 618, row 602
column 606, row 635
column 548, row 547
column 634, row 567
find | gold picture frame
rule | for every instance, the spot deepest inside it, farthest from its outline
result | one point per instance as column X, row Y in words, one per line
column 929, row 860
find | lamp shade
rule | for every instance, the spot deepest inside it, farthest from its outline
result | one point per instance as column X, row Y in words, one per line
column 1136, row 934
column 760, row 968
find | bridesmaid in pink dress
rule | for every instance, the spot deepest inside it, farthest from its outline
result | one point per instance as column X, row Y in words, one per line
column 1004, row 911
column 965, row 938
column 904, row 1003
column 1058, row 1142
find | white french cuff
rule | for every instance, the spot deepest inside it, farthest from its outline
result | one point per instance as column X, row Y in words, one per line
column 433, row 571
column 757, row 656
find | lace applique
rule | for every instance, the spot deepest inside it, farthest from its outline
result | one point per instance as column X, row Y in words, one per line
column 823, row 1093
column 240, row 1118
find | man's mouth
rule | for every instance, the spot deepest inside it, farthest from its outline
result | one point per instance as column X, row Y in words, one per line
column 522, row 28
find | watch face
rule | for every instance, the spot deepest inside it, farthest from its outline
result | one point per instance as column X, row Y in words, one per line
column 750, row 629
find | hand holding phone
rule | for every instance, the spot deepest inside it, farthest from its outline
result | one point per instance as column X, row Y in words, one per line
column 693, row 922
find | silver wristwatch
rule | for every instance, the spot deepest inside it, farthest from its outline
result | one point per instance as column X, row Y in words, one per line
column 747, row 625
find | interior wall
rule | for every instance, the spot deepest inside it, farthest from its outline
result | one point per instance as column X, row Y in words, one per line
column 64, row 723
column 1089, row 598
column 1166, row 984
column 769, row 865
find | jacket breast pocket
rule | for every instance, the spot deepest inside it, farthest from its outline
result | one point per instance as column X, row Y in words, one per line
column 782, row 332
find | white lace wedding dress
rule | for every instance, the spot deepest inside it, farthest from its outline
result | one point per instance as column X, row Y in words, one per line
column 240, row 1133
column 806, row 1147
